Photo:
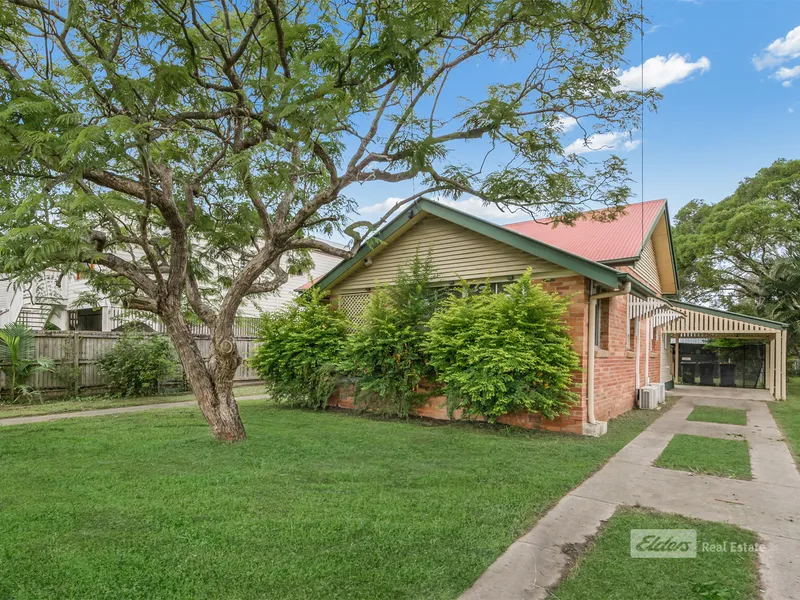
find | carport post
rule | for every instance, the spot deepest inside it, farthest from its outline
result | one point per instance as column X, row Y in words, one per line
column 783, row 365
column 768, row 367
column 773, row 359
column 677, row 358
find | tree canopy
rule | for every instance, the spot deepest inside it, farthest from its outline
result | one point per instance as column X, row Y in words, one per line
column 742, row 252
column 195, row 150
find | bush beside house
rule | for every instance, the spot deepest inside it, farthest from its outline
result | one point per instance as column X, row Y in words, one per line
column 490, row 354
column 385, row 356
column 300, row 347
column 501, row 353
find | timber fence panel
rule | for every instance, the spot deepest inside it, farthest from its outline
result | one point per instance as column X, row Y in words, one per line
column 83, row 349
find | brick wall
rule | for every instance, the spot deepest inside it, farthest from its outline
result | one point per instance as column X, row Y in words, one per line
column 577, row 289
column 615, row 367
column 615, row 364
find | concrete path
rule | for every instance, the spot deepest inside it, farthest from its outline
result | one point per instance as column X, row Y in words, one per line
column 768, row 505
column 107, row 411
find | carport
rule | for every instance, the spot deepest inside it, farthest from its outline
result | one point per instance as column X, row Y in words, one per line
column 702, row 322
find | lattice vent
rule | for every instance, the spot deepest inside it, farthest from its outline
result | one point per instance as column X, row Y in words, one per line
column 353, row 306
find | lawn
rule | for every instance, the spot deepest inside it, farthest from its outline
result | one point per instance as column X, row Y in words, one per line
column 787, row 415
column 710, row 456
column 715, row 414
column 96, row 402
column 607, row 570
column 312, row 505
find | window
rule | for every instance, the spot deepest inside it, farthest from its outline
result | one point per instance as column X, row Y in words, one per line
column 597, row 328
column 87, row 319
column 601, row 323
column 444, row 291
column 631, row 333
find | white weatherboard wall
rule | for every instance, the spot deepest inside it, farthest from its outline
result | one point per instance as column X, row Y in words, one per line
column 254, row 306
column 72, row 288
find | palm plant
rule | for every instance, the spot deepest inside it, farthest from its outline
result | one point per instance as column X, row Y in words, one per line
column 18, row 360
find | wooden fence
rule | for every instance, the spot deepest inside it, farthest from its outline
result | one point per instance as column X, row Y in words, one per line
column 82, row 349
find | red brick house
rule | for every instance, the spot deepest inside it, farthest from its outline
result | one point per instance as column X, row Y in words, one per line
column 615, row 273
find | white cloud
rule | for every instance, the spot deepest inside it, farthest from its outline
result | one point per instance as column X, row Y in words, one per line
column 473, row 206
column 630, row 145
column 787, row 84
column 779, row 51
column 381, row 207
column 660, row 71
column 614, row 140
column 785, row 74
column 566, row 123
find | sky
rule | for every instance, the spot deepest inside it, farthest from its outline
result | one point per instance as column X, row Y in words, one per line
column 729, row 71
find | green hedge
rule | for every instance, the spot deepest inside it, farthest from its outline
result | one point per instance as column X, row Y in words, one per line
column 299, row 351
column 491, row 353
column 385, row 357
column 498, row 353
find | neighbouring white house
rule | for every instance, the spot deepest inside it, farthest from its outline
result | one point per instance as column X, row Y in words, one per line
column 54, row 302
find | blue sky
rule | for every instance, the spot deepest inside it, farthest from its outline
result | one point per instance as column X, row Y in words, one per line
column 729, row 71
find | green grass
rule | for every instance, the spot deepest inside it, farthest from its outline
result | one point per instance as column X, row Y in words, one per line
column 714, row 414
column 607, row 570
column 8, row 411
column 311, row 505
column 711, row 456
column 787, row 415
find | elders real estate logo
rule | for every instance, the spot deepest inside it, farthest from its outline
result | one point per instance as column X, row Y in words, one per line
column 663, row 543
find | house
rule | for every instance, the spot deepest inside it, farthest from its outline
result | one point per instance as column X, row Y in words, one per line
column 618, row 275
column 56, row 302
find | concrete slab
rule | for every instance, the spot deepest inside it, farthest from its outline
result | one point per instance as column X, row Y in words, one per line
column 779, row 566
column 768, row 505
column 523, row 572
column 107, row 411
column 719, row 392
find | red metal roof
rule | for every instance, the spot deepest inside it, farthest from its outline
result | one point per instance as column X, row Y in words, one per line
column 307, row 285
column 597, row 240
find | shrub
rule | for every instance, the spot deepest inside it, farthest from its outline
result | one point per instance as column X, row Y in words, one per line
column 299, row 349
column 500, row 353
column 385, row 356
column 18, row 361
column 138, row 364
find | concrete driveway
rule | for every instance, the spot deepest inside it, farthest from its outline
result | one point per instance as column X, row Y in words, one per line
column 768, row 505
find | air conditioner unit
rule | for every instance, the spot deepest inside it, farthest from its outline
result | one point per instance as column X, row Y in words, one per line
column 662, row 392
column 648, row 397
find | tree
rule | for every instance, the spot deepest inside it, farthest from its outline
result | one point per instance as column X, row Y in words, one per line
column 191, row 149
column 742, row 252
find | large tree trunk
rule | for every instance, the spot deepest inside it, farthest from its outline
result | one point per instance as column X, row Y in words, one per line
column 211, row 383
